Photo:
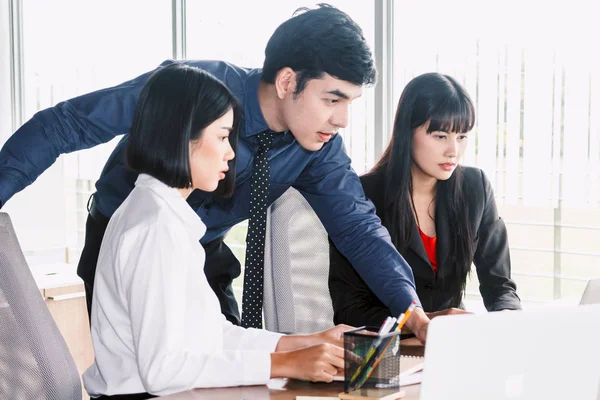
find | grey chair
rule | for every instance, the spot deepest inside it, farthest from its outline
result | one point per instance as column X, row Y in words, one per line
column 296, row 293
column 35, row 362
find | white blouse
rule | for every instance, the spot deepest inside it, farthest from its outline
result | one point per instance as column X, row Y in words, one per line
column 156, row 324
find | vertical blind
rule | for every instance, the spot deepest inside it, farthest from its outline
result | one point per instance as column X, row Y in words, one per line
column 537, row 99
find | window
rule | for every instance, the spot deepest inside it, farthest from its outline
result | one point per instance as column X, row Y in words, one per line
column 537, row 135
column 71, row 48
column 5, row 72
column 537, row 97
column 241, row 40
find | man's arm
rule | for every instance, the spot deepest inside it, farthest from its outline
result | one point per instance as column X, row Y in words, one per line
column 75, row 124
column 334, row 191
column 353, row 302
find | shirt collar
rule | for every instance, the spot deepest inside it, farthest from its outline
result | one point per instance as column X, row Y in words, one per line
column 177, row 203
column 254, row 121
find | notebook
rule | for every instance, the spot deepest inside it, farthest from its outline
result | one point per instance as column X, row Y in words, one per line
column 514, row 355
column 410, row 370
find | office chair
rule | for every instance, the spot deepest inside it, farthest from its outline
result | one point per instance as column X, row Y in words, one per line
column 35, row 362
column 296, row 293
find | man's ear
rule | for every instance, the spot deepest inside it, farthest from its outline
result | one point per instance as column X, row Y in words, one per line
column 285, row 82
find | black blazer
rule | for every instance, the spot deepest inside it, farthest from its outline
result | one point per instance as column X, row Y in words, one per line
column 355, row 304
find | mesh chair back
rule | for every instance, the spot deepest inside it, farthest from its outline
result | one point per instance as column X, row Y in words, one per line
column 296, row 295
column 35, row 362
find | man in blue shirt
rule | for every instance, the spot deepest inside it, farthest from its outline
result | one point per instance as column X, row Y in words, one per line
column 316, row 63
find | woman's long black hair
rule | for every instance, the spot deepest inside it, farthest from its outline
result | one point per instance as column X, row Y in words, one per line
column 445, row 104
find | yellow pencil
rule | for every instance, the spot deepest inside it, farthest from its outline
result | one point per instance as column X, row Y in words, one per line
column 411, row 308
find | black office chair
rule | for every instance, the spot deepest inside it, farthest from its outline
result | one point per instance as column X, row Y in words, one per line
column 35, row 362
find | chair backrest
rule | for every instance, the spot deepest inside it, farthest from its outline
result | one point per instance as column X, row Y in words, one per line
column 35, row 362
column 296, row 293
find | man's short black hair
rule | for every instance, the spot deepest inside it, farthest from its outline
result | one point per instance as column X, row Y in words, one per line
column 175, row 106
column 318, row 41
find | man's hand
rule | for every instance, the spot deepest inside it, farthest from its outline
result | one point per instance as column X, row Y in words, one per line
column 418, row 323
column 448, row 311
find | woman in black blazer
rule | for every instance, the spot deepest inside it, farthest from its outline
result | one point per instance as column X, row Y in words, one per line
column 441, row 216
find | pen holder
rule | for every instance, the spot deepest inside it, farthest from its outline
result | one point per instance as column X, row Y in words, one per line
column 371, row 362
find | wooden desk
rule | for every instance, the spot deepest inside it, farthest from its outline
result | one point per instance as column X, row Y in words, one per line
column 284, row 389
column 279, row 389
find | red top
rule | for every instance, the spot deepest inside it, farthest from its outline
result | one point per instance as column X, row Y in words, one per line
column 429, row 243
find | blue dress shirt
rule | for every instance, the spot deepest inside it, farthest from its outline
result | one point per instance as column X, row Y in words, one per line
column 324, row 177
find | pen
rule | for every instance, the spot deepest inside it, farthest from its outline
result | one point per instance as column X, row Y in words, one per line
column 383, row 326
column 402, row 320
column 371, row 350
column 387, row 326
column 393, row 322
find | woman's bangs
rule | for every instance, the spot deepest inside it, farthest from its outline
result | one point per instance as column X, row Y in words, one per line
column 454, row 115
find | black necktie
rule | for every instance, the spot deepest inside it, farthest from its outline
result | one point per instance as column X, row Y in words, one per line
column 252, row 298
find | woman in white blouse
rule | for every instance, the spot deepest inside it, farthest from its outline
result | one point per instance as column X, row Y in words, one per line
column 156, row 323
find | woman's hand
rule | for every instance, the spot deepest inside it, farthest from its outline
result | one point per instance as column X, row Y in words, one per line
column 318, row 363
column 420, row 325
column 448, row 311
column 333, row 336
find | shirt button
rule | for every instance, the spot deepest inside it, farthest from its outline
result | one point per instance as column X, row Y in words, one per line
column 429, row 287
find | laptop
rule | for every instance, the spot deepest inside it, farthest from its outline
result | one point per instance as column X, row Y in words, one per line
column 592, row 292
column 514, row 355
